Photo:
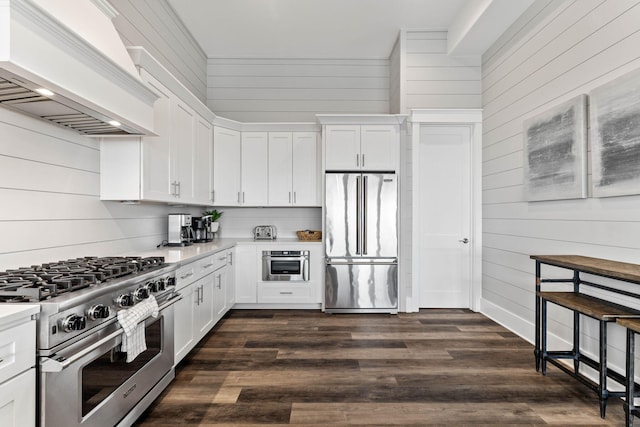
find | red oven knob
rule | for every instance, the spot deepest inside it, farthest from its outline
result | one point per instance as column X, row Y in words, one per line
column 74, row 322
column 98, row 311
column 124, row 300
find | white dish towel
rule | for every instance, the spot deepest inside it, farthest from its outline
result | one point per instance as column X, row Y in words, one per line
column 132, row 321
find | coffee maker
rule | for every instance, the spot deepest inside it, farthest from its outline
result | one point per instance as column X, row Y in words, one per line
column 180, row 230
column 201, row 227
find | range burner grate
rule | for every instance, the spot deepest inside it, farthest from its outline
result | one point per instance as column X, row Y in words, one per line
column 41, row 282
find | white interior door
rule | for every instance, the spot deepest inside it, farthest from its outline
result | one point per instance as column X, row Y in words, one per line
column 444, row 223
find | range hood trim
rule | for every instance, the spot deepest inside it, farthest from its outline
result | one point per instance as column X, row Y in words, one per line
column 44, row 25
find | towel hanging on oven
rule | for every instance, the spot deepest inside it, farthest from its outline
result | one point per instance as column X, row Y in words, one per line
column 132, row 321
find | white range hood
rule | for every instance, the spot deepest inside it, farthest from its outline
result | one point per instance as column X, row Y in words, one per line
column 71, row 48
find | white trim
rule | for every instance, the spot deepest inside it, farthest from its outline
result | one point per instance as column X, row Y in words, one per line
column 519, row 326
column 472, row 117
column 106, row 8
column 361, row 119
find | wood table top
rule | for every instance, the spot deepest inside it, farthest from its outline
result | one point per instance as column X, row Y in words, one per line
column 603, row 267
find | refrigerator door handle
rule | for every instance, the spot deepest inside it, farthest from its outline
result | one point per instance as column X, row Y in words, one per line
column 365, row 189
column 358, row 225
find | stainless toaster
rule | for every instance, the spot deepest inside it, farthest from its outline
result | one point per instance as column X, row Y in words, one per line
column 265, row 232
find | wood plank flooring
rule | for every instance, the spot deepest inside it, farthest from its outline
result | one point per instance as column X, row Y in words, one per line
column 306, row 368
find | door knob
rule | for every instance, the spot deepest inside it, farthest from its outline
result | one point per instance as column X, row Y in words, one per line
column 465, row 240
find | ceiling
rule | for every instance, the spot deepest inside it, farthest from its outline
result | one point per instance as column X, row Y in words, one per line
column 336, row 29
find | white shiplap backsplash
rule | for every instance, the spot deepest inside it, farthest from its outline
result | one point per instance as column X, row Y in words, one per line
column 50, row 199
column 240, row 222
column 555, row 51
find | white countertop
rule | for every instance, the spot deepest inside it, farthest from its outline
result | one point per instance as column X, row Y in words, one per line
column 181, row 254
column 13, row 313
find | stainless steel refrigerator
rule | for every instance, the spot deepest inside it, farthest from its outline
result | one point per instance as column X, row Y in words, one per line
column 361, row 241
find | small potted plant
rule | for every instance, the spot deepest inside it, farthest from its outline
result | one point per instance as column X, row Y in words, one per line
column 215, row 215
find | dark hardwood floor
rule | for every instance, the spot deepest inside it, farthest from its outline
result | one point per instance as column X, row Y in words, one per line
column 435, row 367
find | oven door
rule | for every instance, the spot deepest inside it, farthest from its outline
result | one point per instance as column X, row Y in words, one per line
column 285, row 268
column 90, row 383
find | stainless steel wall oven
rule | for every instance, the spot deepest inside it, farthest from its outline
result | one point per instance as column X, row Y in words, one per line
column 289, row 266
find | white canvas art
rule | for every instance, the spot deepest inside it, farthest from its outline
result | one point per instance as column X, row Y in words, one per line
column 615, row 136
column 555, row 152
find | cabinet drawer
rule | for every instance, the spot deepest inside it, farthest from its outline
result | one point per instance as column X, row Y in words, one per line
column 185, row 275
column 18, row 400
column 17, row 349
column 285, row 293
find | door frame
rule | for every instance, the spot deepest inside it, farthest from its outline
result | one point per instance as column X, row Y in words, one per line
column 472, row 118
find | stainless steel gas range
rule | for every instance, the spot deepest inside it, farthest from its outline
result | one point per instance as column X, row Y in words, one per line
column 83, row 376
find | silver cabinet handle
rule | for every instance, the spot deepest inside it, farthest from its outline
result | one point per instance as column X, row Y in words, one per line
column 295, row 197
column 186, row 275
column 213, row 195
column 243, row 197
column 208, row 265
column 220, row 282
column 179, row 188
column 230, row 258
column 289, row 196
column 223, row 258
column 238, row 197
column 357, row 160
column 363, row 160
column 286, row 293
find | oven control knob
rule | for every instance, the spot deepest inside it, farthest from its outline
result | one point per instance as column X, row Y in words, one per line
column 171, row 281
column 99, row 311
column 124, row 300
column 74, row 322
column 141, row 293
column 159, row 286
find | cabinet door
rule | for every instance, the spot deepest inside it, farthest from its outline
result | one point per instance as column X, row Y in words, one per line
column 156, row 150
column 342, row 144
column 305, row 169
column 231, row 280
column 183, row 325
column 247, row 263
column 219, row 293
column 18, row 400
column 379, row 147
column 226, row 167
column 182, row 143
column 254, row 167
column 280, row 169
column 203, row 162
column 205, row 312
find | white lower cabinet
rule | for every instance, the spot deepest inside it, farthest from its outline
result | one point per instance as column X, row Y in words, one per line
column 17, row 366
column 203, row 285
column 246, row 271
column 18, row 400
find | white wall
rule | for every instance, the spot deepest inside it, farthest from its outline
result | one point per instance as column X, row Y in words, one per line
column 240, row 222
column 396, row 75
column 154, row 25
column 432, row 79
column 50, row 205
column 295, row 90
column 555, row 51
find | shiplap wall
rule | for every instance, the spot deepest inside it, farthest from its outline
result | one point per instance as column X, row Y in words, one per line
column 555, row 51
column 295, row 90
column 396, row 75
column 435, row 80
column 154, row 25
column 51, row 208
column 240, row 222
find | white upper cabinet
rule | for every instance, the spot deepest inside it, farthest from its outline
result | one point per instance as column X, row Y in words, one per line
column 293, row 169
column 226, row 167
column 362, row 147
column 254, row 181
column 239, row 168
column 172, row 167
column 280, row 168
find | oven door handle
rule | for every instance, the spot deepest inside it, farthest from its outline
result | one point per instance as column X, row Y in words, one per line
column 53, row 365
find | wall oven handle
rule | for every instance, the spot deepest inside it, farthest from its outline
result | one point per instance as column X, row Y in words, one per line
column 52, row 365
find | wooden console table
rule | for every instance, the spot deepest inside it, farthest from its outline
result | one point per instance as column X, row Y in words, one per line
column 603, row 311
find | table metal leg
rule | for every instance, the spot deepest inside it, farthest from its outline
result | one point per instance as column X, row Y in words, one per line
column 604, row 393
column 629, row 404
column 543, row 354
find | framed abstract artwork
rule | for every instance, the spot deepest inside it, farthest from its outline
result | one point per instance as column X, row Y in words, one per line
column 555, row 152
column 614, row 112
